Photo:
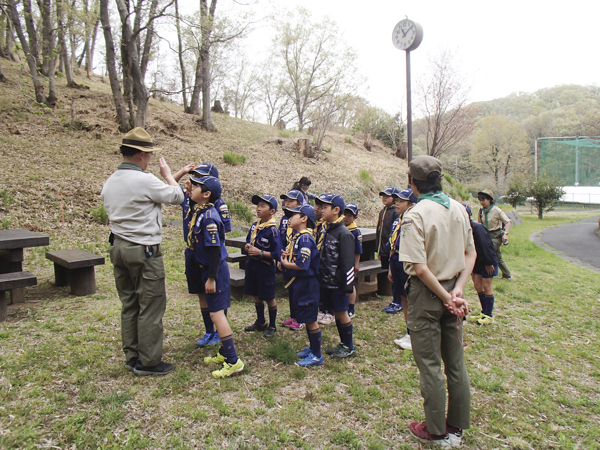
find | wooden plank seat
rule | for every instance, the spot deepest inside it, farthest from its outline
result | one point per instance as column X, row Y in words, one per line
column 75, row 268
column 238, row 257
column 13, row 280
column 237, row 279
column 373, row 267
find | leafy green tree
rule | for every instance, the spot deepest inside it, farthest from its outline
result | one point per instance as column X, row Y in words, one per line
column 517, row 192
column 546, row 191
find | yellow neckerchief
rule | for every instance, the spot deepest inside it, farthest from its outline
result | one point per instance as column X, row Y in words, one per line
column 260, row 225
column 197, row 209
column 320, row 232
column 394, row 235
column 352, row 227
column 290, row 247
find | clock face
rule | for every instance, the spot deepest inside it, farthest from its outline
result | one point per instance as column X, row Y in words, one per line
column 404, row 34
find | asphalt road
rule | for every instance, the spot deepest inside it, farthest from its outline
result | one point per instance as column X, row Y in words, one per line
column 577, row 240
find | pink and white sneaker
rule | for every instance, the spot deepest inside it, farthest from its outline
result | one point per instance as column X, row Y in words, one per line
column 295, row 326
column 288, row 322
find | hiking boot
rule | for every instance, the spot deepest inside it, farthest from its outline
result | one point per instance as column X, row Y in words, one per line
column 344, row 352
column 217, row 359
column 331, row 351
column 310, row 360
column 204, row 340
column 485, row 320
column 270, row 332
column 228, row 369
column 256, row 327
column 162, row 368
column 303, row 353
column 419, row 430
column 130, row 365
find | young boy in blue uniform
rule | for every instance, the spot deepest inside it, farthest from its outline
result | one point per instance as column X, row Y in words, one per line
column 262, row 245
column 403, row 201
column 193, row 273
column 336, row 271
column 292, row 199
column 350, row 216
column 206, row 238
column 301, row 259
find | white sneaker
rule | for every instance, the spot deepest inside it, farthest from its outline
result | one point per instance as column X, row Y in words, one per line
column 400, row 341
column 320, row 316
column 406, row 344
column 455, row 439
column 327, row 319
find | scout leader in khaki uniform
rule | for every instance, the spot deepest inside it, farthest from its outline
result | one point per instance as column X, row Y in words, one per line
column 132, row 199
column 439, row 254
column 492, row 218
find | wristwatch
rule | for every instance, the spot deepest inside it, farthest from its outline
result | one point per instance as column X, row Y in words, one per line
column 262, row 253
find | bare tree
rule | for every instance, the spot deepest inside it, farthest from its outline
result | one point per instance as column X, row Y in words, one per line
column 323, row 113
column 443, row 103
column 240, row 94
column 2, row 77
column 62, row 43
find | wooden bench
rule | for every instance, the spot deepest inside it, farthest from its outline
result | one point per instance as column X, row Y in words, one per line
column 237, row 279
column 10, row 281
column 373, row 267
column 238, row 257
column 75, row 268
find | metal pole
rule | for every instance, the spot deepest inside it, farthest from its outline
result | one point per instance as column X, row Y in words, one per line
column 408, row 108
column 577, row 162
column 535, row 161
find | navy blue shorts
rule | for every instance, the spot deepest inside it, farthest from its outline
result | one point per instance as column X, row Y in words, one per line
column 305, row 295
column 484, row 273
column 399, row 276
column 221, row 299
column 260, row 280
column 193, row 273
column 334, row 299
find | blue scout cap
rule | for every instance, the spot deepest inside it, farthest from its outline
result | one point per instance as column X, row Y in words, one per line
column 406, row 194
column 206, row 169
column 390, row 190
column 267, row 199
column 307, row 210
column 212, row 184
column 468, row 208
column 294, row 194
column 336, row 201
column 352, row 207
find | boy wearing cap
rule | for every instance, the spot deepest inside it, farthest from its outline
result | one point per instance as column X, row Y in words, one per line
column 301, row 259
column 336, row 271
column 292, row 199
column 486, row 268
column 206, row 238
column 436, row 245
column 387, row 216
column 497, row 223
column 403, row 201
column 132, row 198
column 262, row 245
column 350, row 216
column 324, row 317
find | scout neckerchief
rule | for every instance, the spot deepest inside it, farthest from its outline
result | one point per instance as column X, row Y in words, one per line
column 260, row 225
column 438, row 197
column 195, row 211
column 290, row 249
column 352, row 227
column 395, row 234
column 486, row 211
column 320, row 232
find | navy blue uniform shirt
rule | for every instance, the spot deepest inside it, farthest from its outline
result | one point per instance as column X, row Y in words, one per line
column 208, row 232
column 267, row 240
column 306, row 255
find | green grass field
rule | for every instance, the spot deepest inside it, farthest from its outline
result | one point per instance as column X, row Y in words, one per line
column 535, row 373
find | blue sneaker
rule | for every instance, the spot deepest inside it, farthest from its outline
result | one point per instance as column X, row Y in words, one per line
column 311, row 360
column 303, row 353
column 393, row 308
column 205, row 340
column 215, row 340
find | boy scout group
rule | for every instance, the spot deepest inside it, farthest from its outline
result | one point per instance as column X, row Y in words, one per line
column 424, row 239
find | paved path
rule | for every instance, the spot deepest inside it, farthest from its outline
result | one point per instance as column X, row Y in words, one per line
column 575, row 242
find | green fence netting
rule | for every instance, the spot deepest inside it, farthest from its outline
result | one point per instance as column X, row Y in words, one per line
column 575, row 162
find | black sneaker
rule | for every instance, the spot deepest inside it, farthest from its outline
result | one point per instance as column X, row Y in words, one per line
column 130, row 365
column 162, row 368
column 256, row 327
column 344, row 352
column 270, row 332
column 331, row 351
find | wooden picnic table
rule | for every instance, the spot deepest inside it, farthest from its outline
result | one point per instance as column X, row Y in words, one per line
column 12, row 243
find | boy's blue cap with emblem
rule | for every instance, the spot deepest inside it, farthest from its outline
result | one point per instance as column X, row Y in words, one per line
column 307, row 210
column 336, row 201
column 294, row 194
column 205, row 170
column 265, row 198
column 390, row 190
column 212, row 184
column 352, row 207
column 406, row 194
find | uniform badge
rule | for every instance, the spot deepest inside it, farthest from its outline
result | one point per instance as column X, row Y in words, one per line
column 305, row 251
column 360, row 238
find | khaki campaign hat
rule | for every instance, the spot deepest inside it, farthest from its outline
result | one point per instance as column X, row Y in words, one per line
column 421, row 166
column 487, row 192
column 139, row 139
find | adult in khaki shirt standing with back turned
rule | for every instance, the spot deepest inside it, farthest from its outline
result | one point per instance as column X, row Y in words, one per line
column 439, row 254
column 132, row 199
column 493, row 219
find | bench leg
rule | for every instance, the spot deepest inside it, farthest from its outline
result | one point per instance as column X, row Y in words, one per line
column 61, row 275
column 82, row 281
column 237, row 292
column 3, row 307
column 17, row 295
column 384, row 287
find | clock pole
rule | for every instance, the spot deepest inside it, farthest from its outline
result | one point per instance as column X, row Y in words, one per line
column 408, row 109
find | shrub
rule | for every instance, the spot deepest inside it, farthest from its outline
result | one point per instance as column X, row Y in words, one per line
column 328, row 149
column 99, row 215
column 240, row 211
column 285, row 134
column 348, row 140
column 281, row 351
column 7, row 199
column 365, row 176
column 233, row 158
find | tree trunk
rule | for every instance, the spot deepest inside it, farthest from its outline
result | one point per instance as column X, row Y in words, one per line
column 195, row 101
column 3, row 30
column 2, row 77
column 10, row 41
column 113, row 76
column 49, row 63
column 93, row 46
column 31, row 33
column 181, row 61
column 305, row 148
column 31, row 61
column 148, row 41
column 62, row 42
column 207, row 26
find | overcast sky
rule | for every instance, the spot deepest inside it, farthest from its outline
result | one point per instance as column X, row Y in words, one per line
column 503, row 47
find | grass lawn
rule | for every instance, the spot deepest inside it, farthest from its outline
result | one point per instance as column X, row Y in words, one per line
column 535, row 373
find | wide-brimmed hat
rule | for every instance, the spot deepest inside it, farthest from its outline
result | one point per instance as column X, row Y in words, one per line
column 139, row 139
column 487, row 192
column 421, row 166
